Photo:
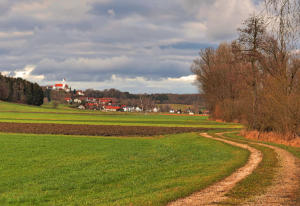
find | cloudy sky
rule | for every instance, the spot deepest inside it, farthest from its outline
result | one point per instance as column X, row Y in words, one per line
column 132, row 45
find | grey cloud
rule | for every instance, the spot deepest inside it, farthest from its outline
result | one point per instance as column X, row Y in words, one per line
column 101, row 69
column 20, row 23
column 158, row 38
column 121, row 9
column 188, row 45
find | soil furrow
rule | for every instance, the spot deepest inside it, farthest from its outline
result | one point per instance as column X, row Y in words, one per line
column 93, row 130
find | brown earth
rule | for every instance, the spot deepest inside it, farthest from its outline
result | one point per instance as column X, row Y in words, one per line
column 93, row 130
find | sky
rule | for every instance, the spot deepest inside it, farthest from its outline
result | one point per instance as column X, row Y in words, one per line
column 131, row 45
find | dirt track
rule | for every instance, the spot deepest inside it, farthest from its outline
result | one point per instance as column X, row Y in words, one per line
column 216, row 192
column 93, row 130
column 283, row 190
column 286, row 184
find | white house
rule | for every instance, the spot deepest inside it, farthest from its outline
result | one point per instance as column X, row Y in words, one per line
column 155, row 109
column 137, row 109
column 77, row 101
column 81, row 107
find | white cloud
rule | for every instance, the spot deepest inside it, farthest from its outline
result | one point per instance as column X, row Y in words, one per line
column 16, row 34
column 188, row 79
column 53, row 10
column 219, row 19
column 225, row 16
column 195, row 30
column 149, row 45
column 6, row 73
column 141, row 85
column 26, row 73
column 111, row 12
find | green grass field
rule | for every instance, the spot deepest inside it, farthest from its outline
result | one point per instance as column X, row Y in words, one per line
column 29, row 114
column 79, row 170
column 83, row 170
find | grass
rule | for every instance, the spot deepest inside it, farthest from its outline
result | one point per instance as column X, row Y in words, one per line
column 258, row 181
column 29, row 114
column 73, row 170
column 7, row 106
column 261, row 178
column 77, row 170
column 181, row 107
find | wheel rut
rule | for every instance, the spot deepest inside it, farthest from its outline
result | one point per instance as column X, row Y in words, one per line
column 216, row 192
column 283, row 191
column 286, row 183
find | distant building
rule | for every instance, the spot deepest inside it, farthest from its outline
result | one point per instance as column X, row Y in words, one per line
column 137, row 109
column 79, row 93
column 61, row 86
column 110, row 108
column 106, row 101
column 81, row 107
column 68, row 99
column 155, row 109
column 128, row 109
column 78, row 101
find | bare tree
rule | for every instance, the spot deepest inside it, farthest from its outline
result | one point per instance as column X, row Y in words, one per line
column 284, row 16
column 252, row 39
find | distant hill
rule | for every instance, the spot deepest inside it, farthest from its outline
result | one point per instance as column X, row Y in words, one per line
column 20, row 91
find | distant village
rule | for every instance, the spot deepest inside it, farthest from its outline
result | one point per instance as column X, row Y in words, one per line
column 108, row 104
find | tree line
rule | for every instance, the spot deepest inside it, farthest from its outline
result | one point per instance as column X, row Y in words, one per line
column 20, row 91
column 128, row 98
column 256, row 78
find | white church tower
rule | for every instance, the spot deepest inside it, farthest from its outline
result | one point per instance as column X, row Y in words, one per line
column 64, row 83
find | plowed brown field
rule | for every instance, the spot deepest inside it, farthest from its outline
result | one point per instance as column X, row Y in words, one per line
column 93, row 130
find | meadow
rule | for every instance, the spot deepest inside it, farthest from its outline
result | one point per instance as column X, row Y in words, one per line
column 44, row 169
column 82, row 170
column 64, row 115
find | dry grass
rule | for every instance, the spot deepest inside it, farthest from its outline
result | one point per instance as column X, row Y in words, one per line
column 272, row 137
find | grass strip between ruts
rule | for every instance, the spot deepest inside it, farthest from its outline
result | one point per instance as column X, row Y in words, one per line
column 293, row 150
column 257, row 182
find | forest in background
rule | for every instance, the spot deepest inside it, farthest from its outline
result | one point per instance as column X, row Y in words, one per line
column 256, row 78
column 20, row 91
column 127, row 97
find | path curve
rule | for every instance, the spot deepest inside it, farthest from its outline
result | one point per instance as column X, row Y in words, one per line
column 286, row 182
column 216, row 192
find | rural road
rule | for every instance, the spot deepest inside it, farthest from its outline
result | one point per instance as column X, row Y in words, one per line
column 282, row 191
column 286, row 182
column 216, row 192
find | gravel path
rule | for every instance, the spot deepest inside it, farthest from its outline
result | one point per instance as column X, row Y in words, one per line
column 286, row 183
column 216, row 192
column 282, row 191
